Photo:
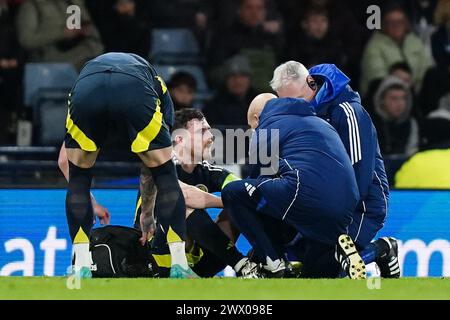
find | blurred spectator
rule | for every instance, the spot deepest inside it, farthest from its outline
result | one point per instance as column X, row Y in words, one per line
column 421, row 10
column 183, row 88
column 124, row 29
column 437, row 79
column 11, row 61
column 395, row 43
column 421, row 14
column 230, row 105
column 290, row 10
column 437, row 123
column 224, row 13
column 249, row 36
column 191, row 14
column 441, row 38
column 43, row 32
column 314, row 43
column 402, row 71
column 398, row 132
column 178, row 13
column 343, row 29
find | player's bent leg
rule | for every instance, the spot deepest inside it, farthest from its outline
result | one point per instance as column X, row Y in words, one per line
column 363, row 230
column 382, row 251
column 209, row 265
column 209, row 236
column 224, row 222
column 79, row 209
column 242, row 204
column 318, row 260
column 170, row 208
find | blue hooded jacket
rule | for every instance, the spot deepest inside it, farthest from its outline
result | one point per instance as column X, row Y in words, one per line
column 314, row 173
column 338, row 104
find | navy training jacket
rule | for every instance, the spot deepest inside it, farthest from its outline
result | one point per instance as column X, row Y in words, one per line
column 339, row 105
column 314, row 176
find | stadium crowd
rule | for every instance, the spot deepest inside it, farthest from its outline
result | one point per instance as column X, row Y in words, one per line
column 401, row 71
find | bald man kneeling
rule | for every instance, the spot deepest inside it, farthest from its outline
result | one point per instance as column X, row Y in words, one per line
column 312, row 187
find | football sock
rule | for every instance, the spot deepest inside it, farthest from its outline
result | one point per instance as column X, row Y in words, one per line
column 374, row 250
column 79, row 211
column 170, row 210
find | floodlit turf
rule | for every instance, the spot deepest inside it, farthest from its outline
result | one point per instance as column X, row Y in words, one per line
column 224, row 289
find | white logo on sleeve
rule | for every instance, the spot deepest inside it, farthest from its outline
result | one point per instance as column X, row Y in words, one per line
column 250, row 188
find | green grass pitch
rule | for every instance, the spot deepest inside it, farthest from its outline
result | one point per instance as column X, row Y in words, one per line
column 224, row 289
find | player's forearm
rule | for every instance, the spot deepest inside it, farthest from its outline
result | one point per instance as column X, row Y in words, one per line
column 210, row 200
column 198, row 199
column 148, row 192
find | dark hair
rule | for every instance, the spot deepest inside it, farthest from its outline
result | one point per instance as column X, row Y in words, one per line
column 313, row 10
column 182, row 77
column 400, row 66
column 391, row 7
column 183, row 116
column 395, row 86
column 242, row 2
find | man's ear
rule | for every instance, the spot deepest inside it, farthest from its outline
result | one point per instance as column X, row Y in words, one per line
column 256, row 117
column 178, row 139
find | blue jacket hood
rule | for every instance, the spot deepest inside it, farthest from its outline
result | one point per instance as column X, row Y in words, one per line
column 334, row 89
column 334, row 82
column 286, row 107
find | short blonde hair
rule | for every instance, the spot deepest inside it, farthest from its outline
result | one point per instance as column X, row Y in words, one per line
column 288, row 72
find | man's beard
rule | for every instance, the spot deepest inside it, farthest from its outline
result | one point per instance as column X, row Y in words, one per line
column 207, row 153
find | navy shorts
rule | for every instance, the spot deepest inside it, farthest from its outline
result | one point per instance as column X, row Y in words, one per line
column 113, row 104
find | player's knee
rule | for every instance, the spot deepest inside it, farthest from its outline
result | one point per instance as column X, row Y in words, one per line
column 82, row 158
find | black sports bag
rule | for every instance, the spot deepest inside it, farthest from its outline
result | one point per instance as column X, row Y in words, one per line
column 117, row 253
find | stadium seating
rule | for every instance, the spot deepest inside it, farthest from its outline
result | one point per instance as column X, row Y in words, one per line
column 50, row 117
column 55, row 76
column 174, row 46
column 46, row 87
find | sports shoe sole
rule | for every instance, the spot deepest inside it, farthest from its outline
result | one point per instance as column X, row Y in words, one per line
column 357, row 269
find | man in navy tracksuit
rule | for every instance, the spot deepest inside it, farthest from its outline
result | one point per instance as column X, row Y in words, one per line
column 313, row 189
column 327, row 88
